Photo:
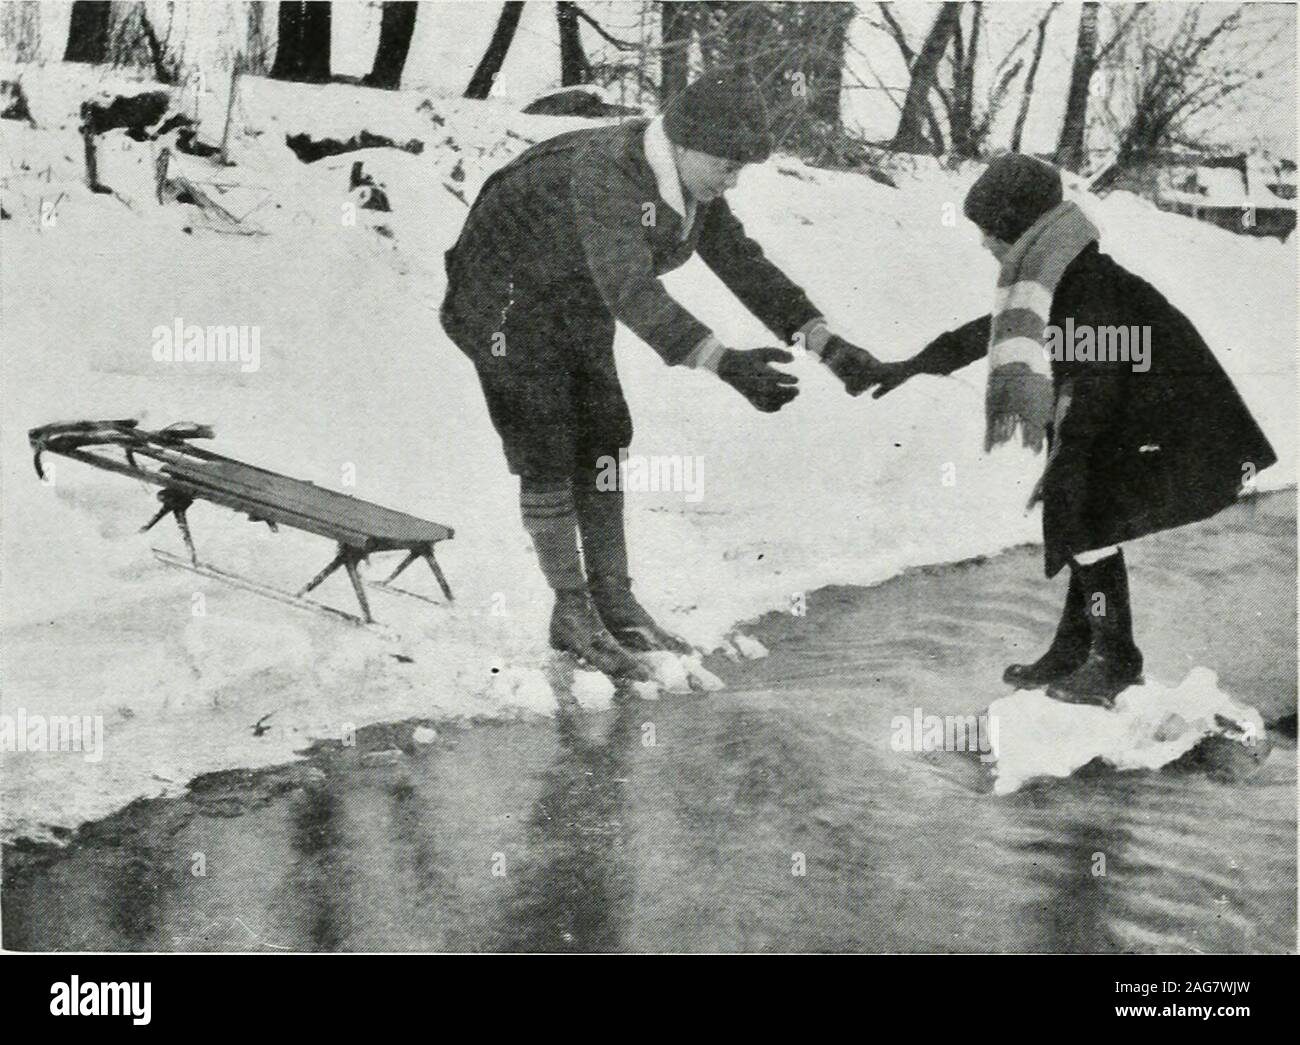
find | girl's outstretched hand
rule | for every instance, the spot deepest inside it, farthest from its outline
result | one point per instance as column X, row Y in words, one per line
column 861, row 371
column 890, row 375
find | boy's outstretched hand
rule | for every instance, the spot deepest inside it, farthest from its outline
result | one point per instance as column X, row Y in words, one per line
column 860, row 370
column 752, row 375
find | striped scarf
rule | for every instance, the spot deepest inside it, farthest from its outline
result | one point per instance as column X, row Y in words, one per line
column 1020, row 384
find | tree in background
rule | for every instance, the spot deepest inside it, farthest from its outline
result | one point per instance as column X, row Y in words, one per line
column 795, row 52
column 676, row 27
column 1071, row 149
column 574, row 67
column 134, row 40
column 396, row 27
column 88, row 31
column 909, row 137
column 302, row 51
column 827, row 29
column 489, row 66
column 970, row 115
column 891, row 24
column 1027, row 94
column 256, row 51
column 1169, row 80
column 22, row 29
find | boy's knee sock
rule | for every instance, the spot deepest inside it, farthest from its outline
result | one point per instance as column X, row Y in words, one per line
column 551, row 521
column 600, row 519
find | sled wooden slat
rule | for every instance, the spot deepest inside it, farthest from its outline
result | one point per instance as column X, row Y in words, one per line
column 383, row 528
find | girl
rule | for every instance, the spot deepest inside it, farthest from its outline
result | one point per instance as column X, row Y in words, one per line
column 1139, row 441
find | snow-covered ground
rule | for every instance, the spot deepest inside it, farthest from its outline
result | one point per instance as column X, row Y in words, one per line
column 359, row 389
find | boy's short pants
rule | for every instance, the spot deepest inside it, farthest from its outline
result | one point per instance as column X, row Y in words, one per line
column 550, row 382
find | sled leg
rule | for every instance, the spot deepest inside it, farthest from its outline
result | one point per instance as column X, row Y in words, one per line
column 175, row 503
column 184, row 525
column 319, row 579
column 350, row 562
column 164, row 510
column 348, row 559
column 427, row 555
column 410, row 558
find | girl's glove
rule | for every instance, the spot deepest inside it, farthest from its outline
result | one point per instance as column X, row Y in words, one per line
column 860, row 370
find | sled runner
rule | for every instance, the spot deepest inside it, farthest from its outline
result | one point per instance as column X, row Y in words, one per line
column 187, row 473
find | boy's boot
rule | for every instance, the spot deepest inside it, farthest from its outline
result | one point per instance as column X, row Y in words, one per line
column 1114, row 662
column 1069, row 648
column 576, row 627
column 604, row 550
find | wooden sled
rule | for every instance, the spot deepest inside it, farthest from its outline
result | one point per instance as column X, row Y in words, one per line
column 188, row 473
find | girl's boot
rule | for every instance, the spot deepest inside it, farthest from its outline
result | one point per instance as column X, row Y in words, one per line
column 1069, row 648
column 1114, row 661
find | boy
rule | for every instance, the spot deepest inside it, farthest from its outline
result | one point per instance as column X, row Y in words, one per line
column 566, row 239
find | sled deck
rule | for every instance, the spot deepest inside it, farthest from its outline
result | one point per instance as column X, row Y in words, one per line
column 187, row 473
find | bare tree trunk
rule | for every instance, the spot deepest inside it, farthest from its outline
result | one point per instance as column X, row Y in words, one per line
column 675, row 24
column 163, row 64
column 396, row 27
column 574, row 67
column 303, row 50
column 88, row 31
column 480, row 84
column 22, row 30
column 1069, row 150
column 909, row 58
column 828, row 34
column 255, row 49
column 908, row 137
column 1030, row 77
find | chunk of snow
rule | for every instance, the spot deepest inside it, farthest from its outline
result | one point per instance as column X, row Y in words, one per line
column 1034, row 736
column 749, row 647
column 679, row 673
column 648, row 690
column 592, row 690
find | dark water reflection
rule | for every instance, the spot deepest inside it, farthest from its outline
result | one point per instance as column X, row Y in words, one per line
column 774, row 815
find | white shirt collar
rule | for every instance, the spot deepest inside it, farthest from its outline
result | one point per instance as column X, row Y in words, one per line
column 659, row 155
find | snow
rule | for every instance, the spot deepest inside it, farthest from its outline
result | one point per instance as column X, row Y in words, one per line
column 359, row 389
column 681, row 674
column 1149, row 727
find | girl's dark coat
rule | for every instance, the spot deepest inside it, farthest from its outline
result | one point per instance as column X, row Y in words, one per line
column 1136, row 452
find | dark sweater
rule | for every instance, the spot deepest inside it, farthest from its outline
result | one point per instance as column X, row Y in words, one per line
column 567, row 221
